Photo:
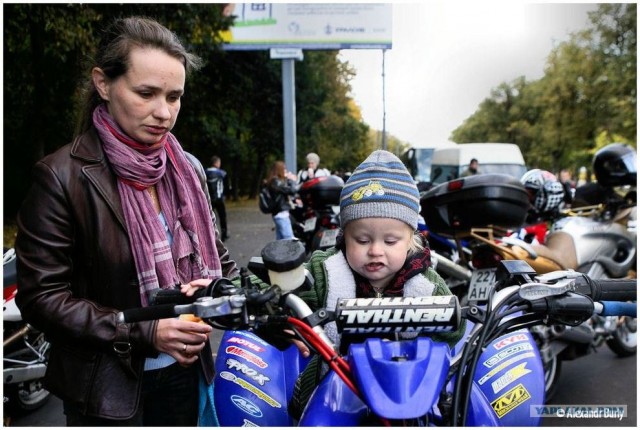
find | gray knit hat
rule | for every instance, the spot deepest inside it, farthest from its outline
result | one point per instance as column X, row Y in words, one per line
column 380, row 187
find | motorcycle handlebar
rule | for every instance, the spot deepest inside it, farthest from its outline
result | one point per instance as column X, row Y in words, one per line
column 146, row 314
column 617, row 309
column 607, row 289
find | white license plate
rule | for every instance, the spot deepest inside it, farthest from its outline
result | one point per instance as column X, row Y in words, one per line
column 482, row 281
column 310, row 224
column 329, row 238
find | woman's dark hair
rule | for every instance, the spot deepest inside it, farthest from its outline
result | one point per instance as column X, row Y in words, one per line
column 112, row 56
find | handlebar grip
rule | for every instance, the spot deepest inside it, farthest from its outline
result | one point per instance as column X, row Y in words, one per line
column 622, row 309
column 147, row 314
column 175, row 296
column 607, row 289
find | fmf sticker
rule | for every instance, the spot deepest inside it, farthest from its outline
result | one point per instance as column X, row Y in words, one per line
column 247, row 371
column 246, row 405
column 509, row 340
column 512, row 350
column 510, row 400
column 512, row 375
column 250, row 357
column 246, row 343
column 247, row 386
column 507, row 363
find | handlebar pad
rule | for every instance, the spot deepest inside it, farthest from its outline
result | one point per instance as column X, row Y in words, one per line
column 607, row 289
column 625, row 309
column 149, row 313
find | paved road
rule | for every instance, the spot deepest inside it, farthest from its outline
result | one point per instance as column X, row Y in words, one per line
column 598, row 379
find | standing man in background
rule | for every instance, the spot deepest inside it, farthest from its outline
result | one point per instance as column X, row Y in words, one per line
column 472, row 169
column 218, row 184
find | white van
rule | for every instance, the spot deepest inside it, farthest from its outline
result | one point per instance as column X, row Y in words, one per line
column 449, row 163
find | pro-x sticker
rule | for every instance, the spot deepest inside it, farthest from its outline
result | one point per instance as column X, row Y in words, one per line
column 250, row 357
column 510, row 400
column 510, row 376
column 512, row 350
column 247, row 386
column 509, row 340
column 247, row 371
column 246, row 405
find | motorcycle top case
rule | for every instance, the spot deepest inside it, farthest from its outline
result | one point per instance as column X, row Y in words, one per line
column 322, row 191
column 475, row 201
column 254, row 380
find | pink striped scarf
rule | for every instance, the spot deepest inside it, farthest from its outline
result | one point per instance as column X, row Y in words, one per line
column 192, row 254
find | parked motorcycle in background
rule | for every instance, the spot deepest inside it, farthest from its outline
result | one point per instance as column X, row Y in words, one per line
column 316, row 223
column 25, row 351
column 597, row 240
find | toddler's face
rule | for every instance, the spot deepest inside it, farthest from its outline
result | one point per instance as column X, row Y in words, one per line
column 376, row 248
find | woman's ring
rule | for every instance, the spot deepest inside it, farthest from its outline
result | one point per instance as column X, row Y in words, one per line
column 184, row 349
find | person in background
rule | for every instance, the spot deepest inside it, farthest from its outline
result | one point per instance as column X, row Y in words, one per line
column 283, row 187
column 218, row 184
column 568, row 186
column 472, row 169
column 313, row 170
column 379, row 253
column 113, row 216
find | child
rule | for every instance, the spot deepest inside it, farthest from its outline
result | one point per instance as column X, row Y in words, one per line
column 379, row 253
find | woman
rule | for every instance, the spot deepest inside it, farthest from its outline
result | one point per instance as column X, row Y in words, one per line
column 283, row 187
column 111, row 217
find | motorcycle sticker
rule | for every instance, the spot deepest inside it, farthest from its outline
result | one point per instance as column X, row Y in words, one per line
column 509, row 340
column 512, row 350
column 246, row 405
column 510, row 400
column 247, row 371
column 252, row 389
column 507, row 363
column 512, row 375
column 245, row 343
column 250, row 357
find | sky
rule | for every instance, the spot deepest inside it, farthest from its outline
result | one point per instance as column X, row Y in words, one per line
column 447, row 56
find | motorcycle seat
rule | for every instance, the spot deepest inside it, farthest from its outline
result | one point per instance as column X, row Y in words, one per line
column 560, row 249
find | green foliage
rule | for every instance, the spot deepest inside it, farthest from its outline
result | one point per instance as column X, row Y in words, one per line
column 232, row 107
column 586, row 99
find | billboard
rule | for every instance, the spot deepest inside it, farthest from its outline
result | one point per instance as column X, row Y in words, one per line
column 308, row 26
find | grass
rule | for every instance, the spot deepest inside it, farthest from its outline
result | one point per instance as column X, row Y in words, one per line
column 9, row 230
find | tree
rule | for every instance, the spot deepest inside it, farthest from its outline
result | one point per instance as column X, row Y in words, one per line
column 586, row 96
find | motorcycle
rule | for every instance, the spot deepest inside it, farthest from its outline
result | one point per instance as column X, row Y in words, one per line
column 492, row 377
column 25, row 351
column 316, row 220
column 597, row 240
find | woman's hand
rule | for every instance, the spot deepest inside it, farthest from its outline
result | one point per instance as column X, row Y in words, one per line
column 181, row 339
column 193, row 286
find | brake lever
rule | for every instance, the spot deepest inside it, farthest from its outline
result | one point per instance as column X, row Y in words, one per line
column 534, row 290
column 209, row 307
column 551, row 277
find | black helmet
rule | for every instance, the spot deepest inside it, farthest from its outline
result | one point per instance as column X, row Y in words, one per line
column 615, row 164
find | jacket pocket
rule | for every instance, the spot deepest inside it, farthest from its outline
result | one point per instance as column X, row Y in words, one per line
column 70, row 372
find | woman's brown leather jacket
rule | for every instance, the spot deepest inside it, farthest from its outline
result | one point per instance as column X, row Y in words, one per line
column 76, row 272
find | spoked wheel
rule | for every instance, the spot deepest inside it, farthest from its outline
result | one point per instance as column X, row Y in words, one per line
column 623, row 340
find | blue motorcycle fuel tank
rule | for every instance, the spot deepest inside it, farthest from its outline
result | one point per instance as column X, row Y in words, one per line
column 254, row 380
column 508, row 380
